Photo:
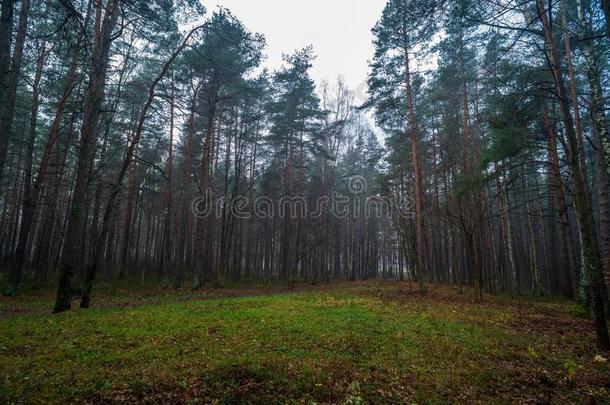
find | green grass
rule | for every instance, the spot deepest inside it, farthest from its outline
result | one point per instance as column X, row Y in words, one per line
column 355, row 344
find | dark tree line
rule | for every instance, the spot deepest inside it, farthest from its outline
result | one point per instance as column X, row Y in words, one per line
column 122, row 121
column 506, row 143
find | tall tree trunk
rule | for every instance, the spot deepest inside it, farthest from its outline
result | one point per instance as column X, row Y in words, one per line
column 187, row 233
column 6, row 36
column 573, row 92
column 167, row 244
column 601, row 132
column 127, row 217
column 7, row 108
column 417, row 187
column 28, row 202
column 531, row 241
column 469, row 220
column 592, row 265
column 603, row 203
column 566, row 235
column 72, row 256
column 203, row 249
column 514, row 274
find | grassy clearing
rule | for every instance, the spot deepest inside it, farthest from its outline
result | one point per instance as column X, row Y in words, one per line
column 366, row 342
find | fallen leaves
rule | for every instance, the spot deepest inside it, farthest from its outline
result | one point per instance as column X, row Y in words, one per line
column 355, row 343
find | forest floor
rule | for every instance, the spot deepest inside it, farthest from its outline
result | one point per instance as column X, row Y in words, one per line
column 364, row 342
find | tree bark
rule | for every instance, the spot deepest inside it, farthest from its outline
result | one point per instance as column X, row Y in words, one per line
column 128, row 215
column 72, row 256
column 7, row 108
column 417, row 187
column 566, row 236
column 6, row 36
column 471, row 208
column 167, row 243
column 186, row 234
column 600, row 133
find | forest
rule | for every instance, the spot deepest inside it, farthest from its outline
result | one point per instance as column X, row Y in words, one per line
column 180, row 223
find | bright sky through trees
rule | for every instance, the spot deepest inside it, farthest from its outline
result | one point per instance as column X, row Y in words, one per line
column 339, row 30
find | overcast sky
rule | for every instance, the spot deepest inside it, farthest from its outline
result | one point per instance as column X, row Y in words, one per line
column 339, row 30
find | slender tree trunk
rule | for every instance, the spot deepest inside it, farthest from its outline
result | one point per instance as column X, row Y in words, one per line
column 469, row 207
column 512, row 255
column 566, row 238
column 187, row 233
column 573, row 93
column 127, row 218
column 532, row 248
column 542, row 237
column 503, row 231
column 167, row 243
column 418, row 188
column 203, row 256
